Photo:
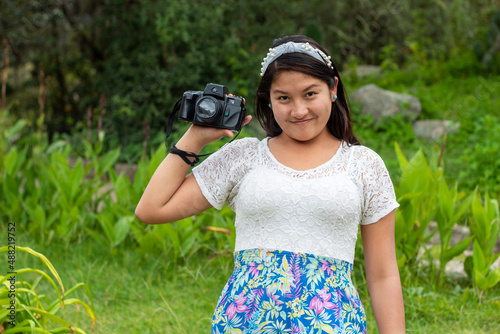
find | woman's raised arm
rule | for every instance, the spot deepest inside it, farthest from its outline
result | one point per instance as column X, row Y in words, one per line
column 170, row 194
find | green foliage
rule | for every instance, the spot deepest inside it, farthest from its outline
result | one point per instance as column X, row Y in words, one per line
column 451, row 208
column 34, row 311
column 416, row 193
column 424, row 196
column 470, row 153
column 134, row 59
column 481, row 156
column 485, row 225
column 44, row 191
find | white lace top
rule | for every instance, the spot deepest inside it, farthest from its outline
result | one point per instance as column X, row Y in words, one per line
column 316, row 211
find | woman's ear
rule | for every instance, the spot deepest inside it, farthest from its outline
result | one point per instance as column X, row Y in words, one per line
column 333, row 91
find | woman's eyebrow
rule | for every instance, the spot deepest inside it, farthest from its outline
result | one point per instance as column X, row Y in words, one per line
column 278, row 91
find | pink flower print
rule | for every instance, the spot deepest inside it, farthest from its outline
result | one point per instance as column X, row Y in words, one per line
column 321, row 301
column 326, row 266
column 254, row 269
column 236, row 306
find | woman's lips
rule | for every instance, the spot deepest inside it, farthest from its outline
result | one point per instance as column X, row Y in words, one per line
column 301, row 122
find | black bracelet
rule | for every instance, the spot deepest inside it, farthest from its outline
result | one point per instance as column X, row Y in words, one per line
column 184, row 155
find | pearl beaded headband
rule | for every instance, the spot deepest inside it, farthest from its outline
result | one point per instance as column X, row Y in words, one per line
column 292, row 47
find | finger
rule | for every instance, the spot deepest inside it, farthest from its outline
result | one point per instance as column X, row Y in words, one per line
column 247, row 120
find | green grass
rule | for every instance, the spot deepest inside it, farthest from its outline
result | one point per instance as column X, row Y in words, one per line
column 146, row 294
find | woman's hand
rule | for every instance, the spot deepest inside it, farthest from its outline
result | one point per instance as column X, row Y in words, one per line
column 204, row 135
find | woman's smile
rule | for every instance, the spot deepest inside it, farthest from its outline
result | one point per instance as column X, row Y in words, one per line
column 301, row 122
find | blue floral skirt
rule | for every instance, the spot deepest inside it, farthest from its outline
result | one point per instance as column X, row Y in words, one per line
column 273, row 292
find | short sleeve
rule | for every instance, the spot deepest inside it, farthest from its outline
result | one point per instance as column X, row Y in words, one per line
column 379, row 198
column 219, row 175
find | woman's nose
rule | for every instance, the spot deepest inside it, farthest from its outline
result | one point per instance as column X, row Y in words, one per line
column 299, row 110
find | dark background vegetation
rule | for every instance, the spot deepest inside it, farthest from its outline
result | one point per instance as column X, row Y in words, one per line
column 135, row 58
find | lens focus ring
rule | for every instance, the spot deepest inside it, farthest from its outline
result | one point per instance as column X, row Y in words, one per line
column 207, row 108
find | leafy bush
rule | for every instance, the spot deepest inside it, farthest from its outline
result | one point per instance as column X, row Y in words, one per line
column 416, row 194
column 485, row 225
column 34, row 311
column 141, row 55
column 44, row 191
column 480, row 158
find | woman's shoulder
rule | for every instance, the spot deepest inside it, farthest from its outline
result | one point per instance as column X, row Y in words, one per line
column 363, row 159
column 245, row 142
column 242, row 145
column 361, row 152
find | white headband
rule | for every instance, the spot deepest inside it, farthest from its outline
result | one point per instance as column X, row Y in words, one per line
column 292, row 47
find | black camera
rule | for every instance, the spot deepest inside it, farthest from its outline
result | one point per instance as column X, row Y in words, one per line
column 213, row 108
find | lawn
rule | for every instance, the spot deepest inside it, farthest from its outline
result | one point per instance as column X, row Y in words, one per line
column 136, row 293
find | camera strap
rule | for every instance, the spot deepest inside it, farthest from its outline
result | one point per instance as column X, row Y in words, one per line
column 174, row 150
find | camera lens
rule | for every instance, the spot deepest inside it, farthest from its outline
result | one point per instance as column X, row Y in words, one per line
column 207, row 108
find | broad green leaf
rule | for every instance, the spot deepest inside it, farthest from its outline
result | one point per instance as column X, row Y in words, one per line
column 156, row 160
column 403, row 162
column 485, row 282
column 105, row 162
column 106, row 222
column 446, row 203
column 122, row 228
column 189, row 244
column 493, row 278
column 15, row 129
column 10, row 161
column 480, row 224
column 463, row 207
column 401, row 261
column 494, row 235
column 456, row 250
column 478, row 258
column 56, row 146
column 172, row 234
column 76, row 180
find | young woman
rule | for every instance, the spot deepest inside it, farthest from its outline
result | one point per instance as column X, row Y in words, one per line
column 299, row 196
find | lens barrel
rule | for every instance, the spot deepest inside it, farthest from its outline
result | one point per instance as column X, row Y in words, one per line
column 207, row 108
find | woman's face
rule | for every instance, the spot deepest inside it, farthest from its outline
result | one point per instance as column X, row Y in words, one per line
column 301, row 105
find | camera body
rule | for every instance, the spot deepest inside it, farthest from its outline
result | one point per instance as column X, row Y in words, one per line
column 213, row 108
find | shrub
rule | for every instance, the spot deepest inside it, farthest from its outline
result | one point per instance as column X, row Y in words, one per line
column 33, row 311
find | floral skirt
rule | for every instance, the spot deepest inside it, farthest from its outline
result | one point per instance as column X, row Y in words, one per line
column 275, row 292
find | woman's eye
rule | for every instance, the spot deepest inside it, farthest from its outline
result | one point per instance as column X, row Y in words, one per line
column 311, row 94
column 283, row 98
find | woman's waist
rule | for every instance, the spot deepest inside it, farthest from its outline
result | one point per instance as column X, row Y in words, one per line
column 288, row 265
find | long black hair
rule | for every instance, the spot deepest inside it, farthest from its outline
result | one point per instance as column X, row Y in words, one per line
column 339, row 124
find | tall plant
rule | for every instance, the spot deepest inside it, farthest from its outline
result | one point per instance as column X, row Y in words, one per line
column 485, row 224
column 33, row 311
column 452, row 206
column 416, row 193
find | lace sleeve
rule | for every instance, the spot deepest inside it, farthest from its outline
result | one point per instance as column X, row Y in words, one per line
column 379, row 198
column 219, row 174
